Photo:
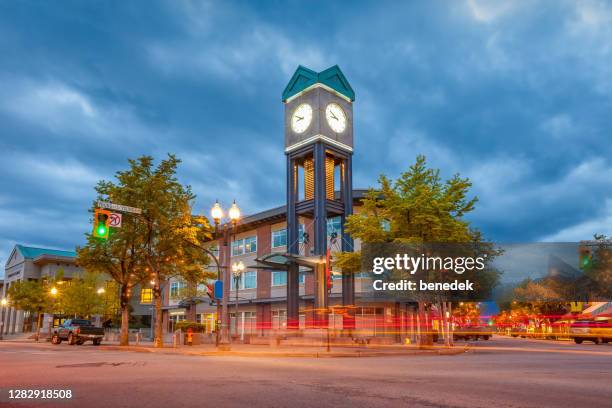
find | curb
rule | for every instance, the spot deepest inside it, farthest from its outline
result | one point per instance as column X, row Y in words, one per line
column 268, row 354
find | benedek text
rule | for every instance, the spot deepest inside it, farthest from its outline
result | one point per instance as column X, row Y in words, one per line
column 405, row 284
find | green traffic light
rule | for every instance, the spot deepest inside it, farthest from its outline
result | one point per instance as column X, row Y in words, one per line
column 101, row 230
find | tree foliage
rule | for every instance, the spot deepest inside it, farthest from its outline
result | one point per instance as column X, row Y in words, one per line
column 80, row 297
column 599, row 271
column 417, row 207
column 30, row 296
column 153, row 245
column 420, row 208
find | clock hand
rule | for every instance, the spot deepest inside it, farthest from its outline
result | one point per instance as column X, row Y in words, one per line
column 333, row 116
column 299, row 118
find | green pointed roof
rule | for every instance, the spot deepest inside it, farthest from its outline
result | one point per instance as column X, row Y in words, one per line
column 31, row 252
column 331, row 77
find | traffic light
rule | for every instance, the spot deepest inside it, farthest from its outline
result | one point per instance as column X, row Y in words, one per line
column 585, row 258
column 101, row 221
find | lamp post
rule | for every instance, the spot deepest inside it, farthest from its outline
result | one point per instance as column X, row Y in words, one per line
column 217, row 214
column 237, row 270
column 53, row 293
column 3, row 304
column 101, row 292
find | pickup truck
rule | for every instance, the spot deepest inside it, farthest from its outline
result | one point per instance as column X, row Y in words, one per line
column 77, row 331
column 472, row 332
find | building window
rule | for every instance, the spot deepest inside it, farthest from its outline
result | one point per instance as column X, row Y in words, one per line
column 146, row 295
column 247, row 245
column 279, row 278
column 279, row 319
column 175, row 289
column 302, row 236
column 248, row 280
column 279, row 238
column 250, row 245
column 238, row 247
column 334, row 225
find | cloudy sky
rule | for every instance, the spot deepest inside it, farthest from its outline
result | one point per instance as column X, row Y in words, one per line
column 516, row 96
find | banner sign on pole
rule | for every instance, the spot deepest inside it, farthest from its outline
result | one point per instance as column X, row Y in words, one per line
column 218, row 289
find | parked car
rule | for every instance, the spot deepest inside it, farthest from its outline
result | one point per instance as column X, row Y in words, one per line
column 472, row 333
column 77, row 331
column 590, row 330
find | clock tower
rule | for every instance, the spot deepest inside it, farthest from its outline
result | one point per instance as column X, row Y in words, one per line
column 319, row 150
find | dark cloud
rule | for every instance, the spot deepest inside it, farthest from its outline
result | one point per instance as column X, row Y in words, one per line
column 514, row 95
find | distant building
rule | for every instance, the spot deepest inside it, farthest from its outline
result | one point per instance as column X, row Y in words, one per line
column 29, row 263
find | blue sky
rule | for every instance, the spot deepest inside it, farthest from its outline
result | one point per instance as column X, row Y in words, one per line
column 515, row 96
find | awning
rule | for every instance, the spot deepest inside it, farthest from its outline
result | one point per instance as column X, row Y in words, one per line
column 281, row 261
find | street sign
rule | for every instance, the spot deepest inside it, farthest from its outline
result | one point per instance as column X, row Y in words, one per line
column 119, row 207
column 218, row 289
column 115, row 220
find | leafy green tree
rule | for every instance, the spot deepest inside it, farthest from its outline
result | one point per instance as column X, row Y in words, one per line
column 419, row 208
column 599, row 271
column 539, row 299
column 154, row 245
column 80, row 296
column 30, row 296
column 122, row 256
column 170, row 231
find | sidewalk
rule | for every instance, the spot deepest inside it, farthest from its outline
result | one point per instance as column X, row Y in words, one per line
column 248, row 350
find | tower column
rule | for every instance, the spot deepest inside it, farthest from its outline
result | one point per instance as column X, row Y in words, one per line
column 320, row 228
column 320, row 212
column 348, row 279
column 293, row 284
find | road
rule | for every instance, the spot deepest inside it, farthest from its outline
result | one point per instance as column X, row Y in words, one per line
column 502, row 372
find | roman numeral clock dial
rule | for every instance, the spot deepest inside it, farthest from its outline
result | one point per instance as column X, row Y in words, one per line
column 301, row 118
column 336, row 119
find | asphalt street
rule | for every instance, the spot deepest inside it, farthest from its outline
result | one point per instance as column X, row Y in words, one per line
column 503, row 372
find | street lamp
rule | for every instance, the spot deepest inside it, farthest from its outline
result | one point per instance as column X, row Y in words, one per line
column 3, row 304
column 53, row 292
column 237, row 270
column 217, row 215
column 234, row 213
column 101, row 291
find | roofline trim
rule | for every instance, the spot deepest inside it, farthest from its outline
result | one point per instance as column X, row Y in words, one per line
column 318, row 85
column 316, row 138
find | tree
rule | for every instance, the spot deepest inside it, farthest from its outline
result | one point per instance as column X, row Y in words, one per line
column 80, row 296
column 153, row 245
column 30, row 296
column 599, row 271
column 122, row 255
column 418, row 209
column 171, row 230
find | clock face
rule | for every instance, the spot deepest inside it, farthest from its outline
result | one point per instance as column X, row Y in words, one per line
column 301, row 118
column 335, row 117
